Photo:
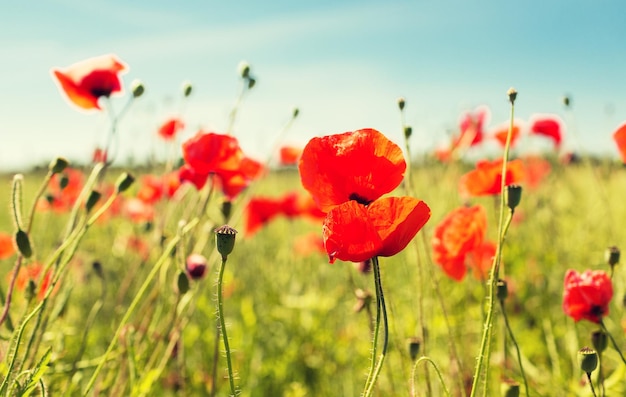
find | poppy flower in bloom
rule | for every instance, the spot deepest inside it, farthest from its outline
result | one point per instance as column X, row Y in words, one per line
column 486, row 178
column 259, row 211
column 472, row 127
column 619, row 136
column 86, row 81
column 548, row 126
column 169, row 128
column 587, row 295
column 346, row 174
column 7, row 249
column 458, row 236
column 289, row 155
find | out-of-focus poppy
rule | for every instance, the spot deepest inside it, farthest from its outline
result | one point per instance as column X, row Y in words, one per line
column 361, row 165
column 289, row 155
column 346, row 175
column 99, row 155
column 259, row 211
column 501, row 133
column 138, row 211
column 587, row 295
column 186, row 173
column 486, row 178
column 461, row 234
column 150, row 189
column 63, row 190
column 472, row 127
column 535, row 170
column 309, row 244
column 32, row 272
column 86, row 81
column 170, row 127
column 7, row 249
column 548, row 126
column 619, row 136
column 480, row 259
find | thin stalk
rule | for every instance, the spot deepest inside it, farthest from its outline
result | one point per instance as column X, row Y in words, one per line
column 220, row 315
column 495, row 267
column 593, row 391
column 519, row 355
column 613, row 341
column 428, row 360
column 380, row 303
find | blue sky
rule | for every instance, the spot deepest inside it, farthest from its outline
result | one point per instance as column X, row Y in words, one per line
column 343, row 63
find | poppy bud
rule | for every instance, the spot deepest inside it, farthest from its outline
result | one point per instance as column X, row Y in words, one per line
column 64, row 181
column 225, row 240
column 187, row 88
column 295, row 112
column 414, row 345
column 408, row 131
column 124, row 181
column 244, row 69
column 227, row 208
column 137, row 88
column 509, row 388
column 567, row 101
column 251, row 83
column 512, row 94
column 401, row 103
column 599, row 340
column 502, row 290
column 196, row 266
column 611, row 256
column 182, row 283
column 93, row 198
column 513, row 196
column 58, row 165
column 588, row 360
column 23, row 243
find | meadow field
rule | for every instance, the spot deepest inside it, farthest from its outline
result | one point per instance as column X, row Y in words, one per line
column 124, row 281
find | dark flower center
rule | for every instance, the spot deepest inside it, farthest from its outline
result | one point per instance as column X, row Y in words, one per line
column 359, row 199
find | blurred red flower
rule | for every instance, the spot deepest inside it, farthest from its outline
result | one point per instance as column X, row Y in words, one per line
column 472, row 127
column 63, row 190
column 170, row 127
column 619, row 136
column 259, row 211
column 33, row 272
column 346, row 174
column 309, row 244
column 7, row 249
column 461, row 234
column 99, row 155
column 138, row 211
column 150, row 189
column 587, row 295
column 548, row 126
column 501, row 133
column 486, row 178
column 289, row 155
column 535, row 170
column 85, row 82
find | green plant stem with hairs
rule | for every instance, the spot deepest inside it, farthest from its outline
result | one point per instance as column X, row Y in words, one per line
column 431, row 362
column 381, row 312
column 510, row 331
column 485, row 343
column 220, row 315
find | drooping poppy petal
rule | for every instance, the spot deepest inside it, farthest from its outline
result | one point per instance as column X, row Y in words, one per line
column 170, row 127
column 361, row 165
column 7, row 249
column 349, row 235
column 456, row 236
column 619, row 136
column 85, row 82
column 486, row 178
column 212, row 153
column 587, row 295
column 548, row 126
column 289, row 155
column 397, row 220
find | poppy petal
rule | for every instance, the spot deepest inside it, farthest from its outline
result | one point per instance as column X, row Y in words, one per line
column 619, row 136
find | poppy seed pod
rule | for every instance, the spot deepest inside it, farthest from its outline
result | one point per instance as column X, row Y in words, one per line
column 401, row 103
column 23, row 243
column 513, row 196
column 58, row 165
column 408, row 131
column 187, row 88
column 512, row 94
column 502, row 290
column 414, row 345
column 92, row 200
column 244, row 69
column 182, row 283
column 611, row 256
column 124, row 181
column 509, row 389
column 599, row 340
column 587, row 359
column 137, row 88
column 225, row 240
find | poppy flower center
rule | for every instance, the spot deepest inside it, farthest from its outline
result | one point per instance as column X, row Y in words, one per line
column 596, row 311
column 359, row 199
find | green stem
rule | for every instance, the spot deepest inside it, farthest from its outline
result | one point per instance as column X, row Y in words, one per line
column 593, row 391
column 517, row 349
column 380, row 304
column 220, row 315
column 613, row 341
column 142, row 290
column 495, row 267
column 429, row 360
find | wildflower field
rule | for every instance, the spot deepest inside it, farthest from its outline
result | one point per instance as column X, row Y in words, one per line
column 346, row 267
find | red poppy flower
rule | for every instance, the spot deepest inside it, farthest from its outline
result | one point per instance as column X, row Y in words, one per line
column 138, row 211
column 86, row 81
column 33, row 272
column 294, row 204
column 480, row 259
column 486, row 179
column 7, row 249
column 150, row 189
column 63, row 190
column 587, row 295
column 289, row 155
column 548, row 126
column 501, row 133
column 212, row 153
column 458, row 235
column 170, row 127
column 619, row 136
column 99, row 155
column 535, row 171
column 259, row 211
column 309, row 244
column 472, row 127
column 361, row 165
column 232, row 183
column 186, row 173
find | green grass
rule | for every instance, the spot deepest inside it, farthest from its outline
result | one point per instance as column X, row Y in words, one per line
column 290, row 318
